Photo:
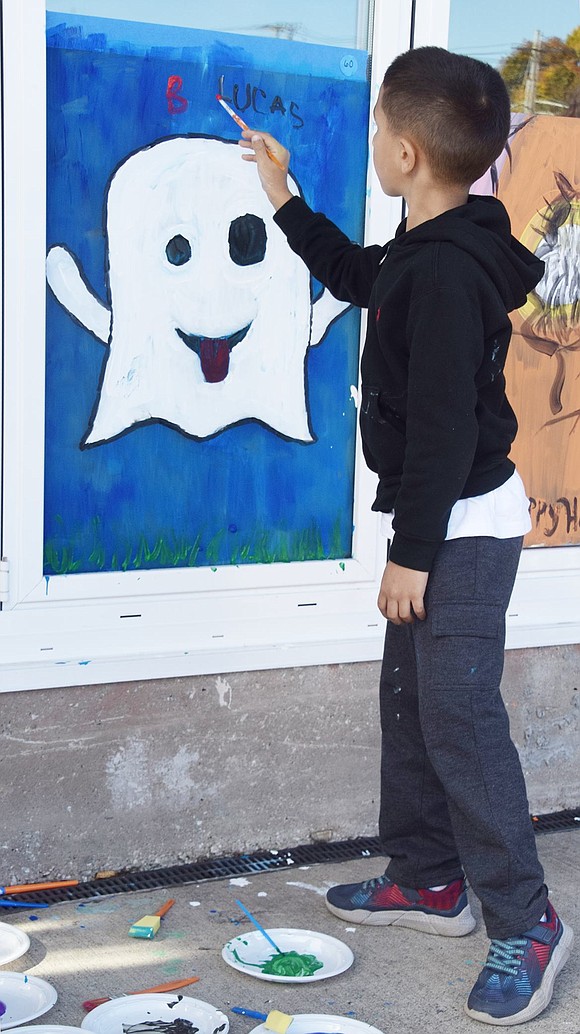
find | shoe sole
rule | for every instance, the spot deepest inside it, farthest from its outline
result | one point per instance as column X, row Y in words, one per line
column 425, row 922
column 541, row 998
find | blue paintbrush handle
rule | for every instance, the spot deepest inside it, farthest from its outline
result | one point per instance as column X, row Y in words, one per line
column 257, row 925
column 249, row 1012
column 23, row 904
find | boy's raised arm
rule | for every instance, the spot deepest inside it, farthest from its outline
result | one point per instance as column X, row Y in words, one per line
column 345, row 268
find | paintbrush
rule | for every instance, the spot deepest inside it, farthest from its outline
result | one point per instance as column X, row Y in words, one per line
column 274, row 1020
column 243, row 125
column 23, row 904
column 258, row 926
column 173, row 985
column 25, row 888
column 148, row 926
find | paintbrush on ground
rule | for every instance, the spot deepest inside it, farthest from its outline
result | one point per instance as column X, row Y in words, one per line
column 27, row 888
column 173, row 985
column 8, row 903
column 258, row 926
column 274, row 1020
column 148, row 926
column 279, row 1022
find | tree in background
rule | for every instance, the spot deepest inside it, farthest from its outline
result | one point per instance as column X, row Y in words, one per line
column 558, row 73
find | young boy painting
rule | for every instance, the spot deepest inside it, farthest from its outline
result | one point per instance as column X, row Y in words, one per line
column 437, row 429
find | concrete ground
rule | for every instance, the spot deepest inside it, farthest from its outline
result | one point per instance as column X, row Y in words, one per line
column 401, row 982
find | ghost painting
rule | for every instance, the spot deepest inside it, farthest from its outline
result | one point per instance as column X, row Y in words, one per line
column 209, row 315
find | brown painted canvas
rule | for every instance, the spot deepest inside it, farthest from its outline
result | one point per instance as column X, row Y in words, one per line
column 542, row 194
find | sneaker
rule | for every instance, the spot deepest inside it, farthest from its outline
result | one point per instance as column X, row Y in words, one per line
column 517, row 980
column 380, row 902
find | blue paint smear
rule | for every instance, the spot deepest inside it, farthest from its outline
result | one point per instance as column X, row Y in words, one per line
column 155, row 498
column 147, row 39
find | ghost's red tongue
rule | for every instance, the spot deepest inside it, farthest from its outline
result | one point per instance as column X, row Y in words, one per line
column 214, row 354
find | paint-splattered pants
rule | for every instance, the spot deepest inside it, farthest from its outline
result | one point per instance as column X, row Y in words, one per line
column 453, row 798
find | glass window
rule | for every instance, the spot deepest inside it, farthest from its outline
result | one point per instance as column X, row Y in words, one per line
column 536, row 47
column 210, row 429
column 343, row 24
column 534, row 44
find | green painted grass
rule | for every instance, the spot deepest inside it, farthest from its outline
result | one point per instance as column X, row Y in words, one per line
column 217, row 550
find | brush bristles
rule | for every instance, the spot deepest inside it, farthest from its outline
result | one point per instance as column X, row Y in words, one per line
column 146, row 927
column 278, row 1021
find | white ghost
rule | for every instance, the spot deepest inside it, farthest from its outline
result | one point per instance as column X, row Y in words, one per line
column 211, row 313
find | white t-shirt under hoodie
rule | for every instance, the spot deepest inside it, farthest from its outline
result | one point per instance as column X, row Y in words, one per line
column 500, row 514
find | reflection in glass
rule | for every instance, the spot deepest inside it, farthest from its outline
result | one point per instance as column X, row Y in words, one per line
column 535, row 46
column 339, row 23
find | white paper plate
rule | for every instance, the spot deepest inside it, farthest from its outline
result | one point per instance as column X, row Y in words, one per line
column 13, row 943
column 157, row 1013
column 249, row 951
column 322, row 1023
column 48, row 1028
column 25, row 999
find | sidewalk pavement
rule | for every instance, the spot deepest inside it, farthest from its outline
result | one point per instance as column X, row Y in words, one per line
column 401, row 981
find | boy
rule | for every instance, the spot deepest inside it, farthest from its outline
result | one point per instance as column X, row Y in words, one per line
column 437, row 428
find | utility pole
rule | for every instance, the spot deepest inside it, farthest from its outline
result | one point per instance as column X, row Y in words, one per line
column 532, row 73
column 283, row 30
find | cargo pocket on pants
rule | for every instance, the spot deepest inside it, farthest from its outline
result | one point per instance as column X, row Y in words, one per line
column 468, row 645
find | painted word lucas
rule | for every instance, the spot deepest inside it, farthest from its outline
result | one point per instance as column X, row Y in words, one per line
column 253, row 96
column 177, row 103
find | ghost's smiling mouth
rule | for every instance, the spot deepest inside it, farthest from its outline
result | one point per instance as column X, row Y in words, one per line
column 213, row 352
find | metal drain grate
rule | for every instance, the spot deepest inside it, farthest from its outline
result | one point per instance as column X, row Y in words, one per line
column 259, row 861
column 555, row 821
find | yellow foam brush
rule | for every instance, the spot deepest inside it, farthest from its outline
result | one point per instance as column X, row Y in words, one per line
column 148, row 926
column 274, row 1020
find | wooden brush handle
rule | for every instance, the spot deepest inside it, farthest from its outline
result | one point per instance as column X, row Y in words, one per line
column 173, row 985
column 164, row 908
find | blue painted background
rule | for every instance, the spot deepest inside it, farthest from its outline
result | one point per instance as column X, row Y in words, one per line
column 155, row 498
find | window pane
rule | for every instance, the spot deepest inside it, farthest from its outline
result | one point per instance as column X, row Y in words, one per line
column 536, row 47
column 339, row 24
column 203, row 426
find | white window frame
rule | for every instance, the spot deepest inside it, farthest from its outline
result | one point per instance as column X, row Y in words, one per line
column 89, row 628
column 92, row 628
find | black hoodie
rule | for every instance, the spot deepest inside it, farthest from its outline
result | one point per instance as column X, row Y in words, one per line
column 436, row 424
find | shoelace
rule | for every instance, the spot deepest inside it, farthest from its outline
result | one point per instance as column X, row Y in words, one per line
column 377, row 881
column 504, row 956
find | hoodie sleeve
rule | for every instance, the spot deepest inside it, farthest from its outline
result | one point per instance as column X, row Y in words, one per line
column 345, row 268
column 446, row 340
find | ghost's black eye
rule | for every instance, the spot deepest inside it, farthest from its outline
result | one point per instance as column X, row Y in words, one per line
column 178, row 251
column 247, row 240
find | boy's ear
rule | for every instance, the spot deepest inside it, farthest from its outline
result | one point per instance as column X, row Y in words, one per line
column 407, row 155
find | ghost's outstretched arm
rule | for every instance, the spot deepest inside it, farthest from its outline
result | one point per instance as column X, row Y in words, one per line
column 66, row 283
column 325, row 310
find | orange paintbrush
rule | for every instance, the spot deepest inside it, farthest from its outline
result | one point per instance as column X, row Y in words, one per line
column 173, row 985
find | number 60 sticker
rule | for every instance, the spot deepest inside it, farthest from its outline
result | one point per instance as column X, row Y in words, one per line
column 348, row 65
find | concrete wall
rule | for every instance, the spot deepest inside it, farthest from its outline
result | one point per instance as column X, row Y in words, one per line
column 143, row 774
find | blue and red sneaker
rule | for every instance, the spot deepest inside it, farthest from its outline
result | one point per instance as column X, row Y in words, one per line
column 517, row 980
column 380, row 902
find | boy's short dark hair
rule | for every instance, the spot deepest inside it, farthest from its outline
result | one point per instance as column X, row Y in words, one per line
column 455, row 108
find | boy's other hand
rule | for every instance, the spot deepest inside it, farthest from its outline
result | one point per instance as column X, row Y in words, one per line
column 273, row 174
column 402, row 594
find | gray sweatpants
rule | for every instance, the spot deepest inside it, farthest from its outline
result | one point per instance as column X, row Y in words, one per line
column 453, row 797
